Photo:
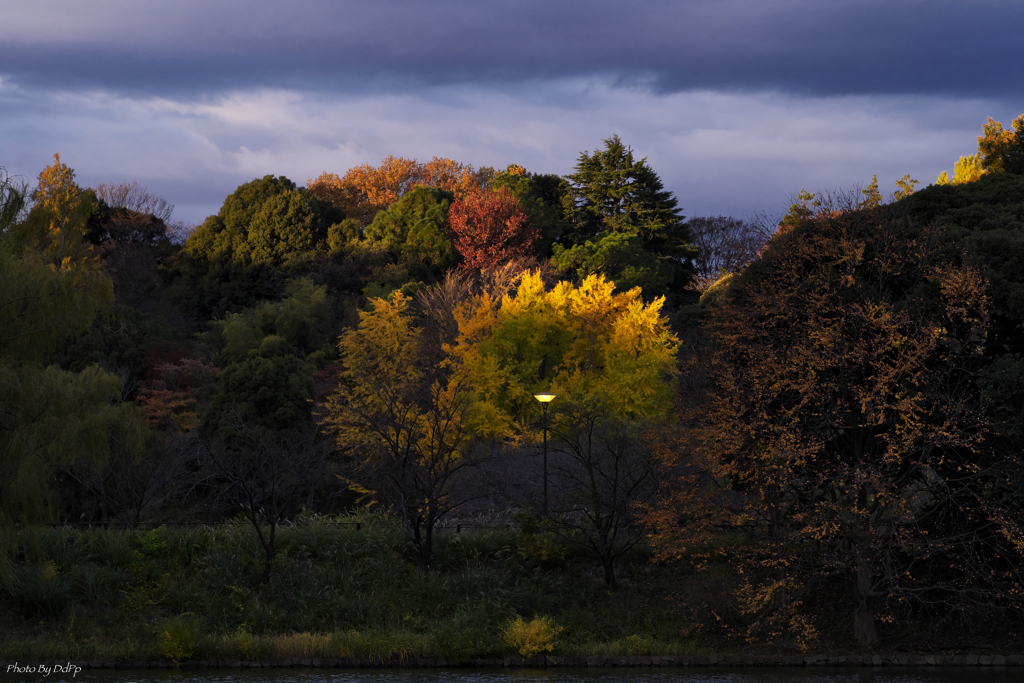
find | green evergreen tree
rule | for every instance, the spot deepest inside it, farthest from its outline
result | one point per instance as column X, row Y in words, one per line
column 614, row 197
column 414, row 227
column 1012, row 154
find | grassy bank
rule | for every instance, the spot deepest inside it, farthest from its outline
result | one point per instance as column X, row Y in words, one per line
column 337, row 590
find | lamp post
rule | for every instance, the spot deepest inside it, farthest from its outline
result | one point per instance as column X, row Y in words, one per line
column 545, row 398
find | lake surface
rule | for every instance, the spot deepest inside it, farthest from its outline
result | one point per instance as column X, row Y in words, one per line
column 730, row 675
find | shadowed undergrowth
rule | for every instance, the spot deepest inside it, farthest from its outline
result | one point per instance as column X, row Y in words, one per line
column 337, row 590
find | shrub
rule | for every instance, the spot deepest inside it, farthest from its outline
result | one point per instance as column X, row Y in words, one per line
column 154, row 542
column 243, row 640
column 179, row 637
column 531, row 638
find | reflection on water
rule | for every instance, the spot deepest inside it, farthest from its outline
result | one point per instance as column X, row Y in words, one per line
column 730, row 675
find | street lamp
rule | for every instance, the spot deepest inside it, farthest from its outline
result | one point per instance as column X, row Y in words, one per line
column 545, row 398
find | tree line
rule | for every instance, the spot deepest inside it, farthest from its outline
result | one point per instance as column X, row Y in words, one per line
column 830, row 399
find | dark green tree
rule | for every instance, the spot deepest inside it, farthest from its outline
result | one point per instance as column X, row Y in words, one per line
column 222, row 235
column 273, row 392
column 1012, row 154
column 288, row 224
column 267, row 232
column 544, row 197
column 414, row 227
column 614, row 198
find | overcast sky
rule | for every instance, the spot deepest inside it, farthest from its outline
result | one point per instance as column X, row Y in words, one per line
column 737, row 104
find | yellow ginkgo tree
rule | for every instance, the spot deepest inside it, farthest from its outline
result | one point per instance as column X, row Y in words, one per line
column 609, row 359
column 401, row 421
column 575, row 341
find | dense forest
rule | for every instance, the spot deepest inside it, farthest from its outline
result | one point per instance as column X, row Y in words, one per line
column 823, row 408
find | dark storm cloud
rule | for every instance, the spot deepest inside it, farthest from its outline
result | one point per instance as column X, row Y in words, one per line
column 806, row 46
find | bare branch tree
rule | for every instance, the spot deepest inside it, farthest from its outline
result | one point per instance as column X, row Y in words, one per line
column 601, row 473
column 134, row 197
column 129, row 486
column 725, row 245
column 268, row 477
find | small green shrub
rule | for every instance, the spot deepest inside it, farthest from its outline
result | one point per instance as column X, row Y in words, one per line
column 110, row 547
column 243, row 640
column 545, row 548
column 531, row 638
column 179, row 637
column 96, row 584
column 153, row 543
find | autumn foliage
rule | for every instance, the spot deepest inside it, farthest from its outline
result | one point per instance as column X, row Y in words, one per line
column 364, row 190
column 490, row 229
column 841, row 403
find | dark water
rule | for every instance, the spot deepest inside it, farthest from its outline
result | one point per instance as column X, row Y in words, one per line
column 731, row 675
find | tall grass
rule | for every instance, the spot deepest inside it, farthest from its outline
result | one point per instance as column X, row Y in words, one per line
column 341, row 587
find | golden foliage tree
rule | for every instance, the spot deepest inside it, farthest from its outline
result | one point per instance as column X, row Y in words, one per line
column 401, row 421
column 609, row 358
column 574, row 341
column 966, row 170
column 841, row 402
column 57, row 223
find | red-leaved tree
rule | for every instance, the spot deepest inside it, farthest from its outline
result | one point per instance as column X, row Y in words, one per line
column 490, row 228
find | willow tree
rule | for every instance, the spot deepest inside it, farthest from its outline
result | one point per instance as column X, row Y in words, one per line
column 50, row 286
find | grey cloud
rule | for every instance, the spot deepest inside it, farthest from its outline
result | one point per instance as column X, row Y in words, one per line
column 729, row 153
column 800, row 46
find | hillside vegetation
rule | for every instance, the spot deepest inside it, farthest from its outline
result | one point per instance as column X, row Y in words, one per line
column 803, row 433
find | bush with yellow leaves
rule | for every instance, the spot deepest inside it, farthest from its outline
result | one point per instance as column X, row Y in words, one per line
column 530, row 638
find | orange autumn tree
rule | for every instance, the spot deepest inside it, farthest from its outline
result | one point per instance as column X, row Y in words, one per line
column 57, row 222
column 996, row 142
column 364, row 190
column 841, row 399
column 490, row 228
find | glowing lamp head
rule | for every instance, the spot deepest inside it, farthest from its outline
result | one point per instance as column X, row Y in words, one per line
column 544, row 397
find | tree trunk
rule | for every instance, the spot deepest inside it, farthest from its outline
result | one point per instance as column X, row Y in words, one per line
column 427, row 549
column 865, row 629
column 268, row 548
column 609, row 572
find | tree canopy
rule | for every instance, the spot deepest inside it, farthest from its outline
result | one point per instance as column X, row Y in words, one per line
column 843, row 399
column 50, row 288
column 624, row 224
column 491, row 228
column 414, row 227
column 573, row 341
